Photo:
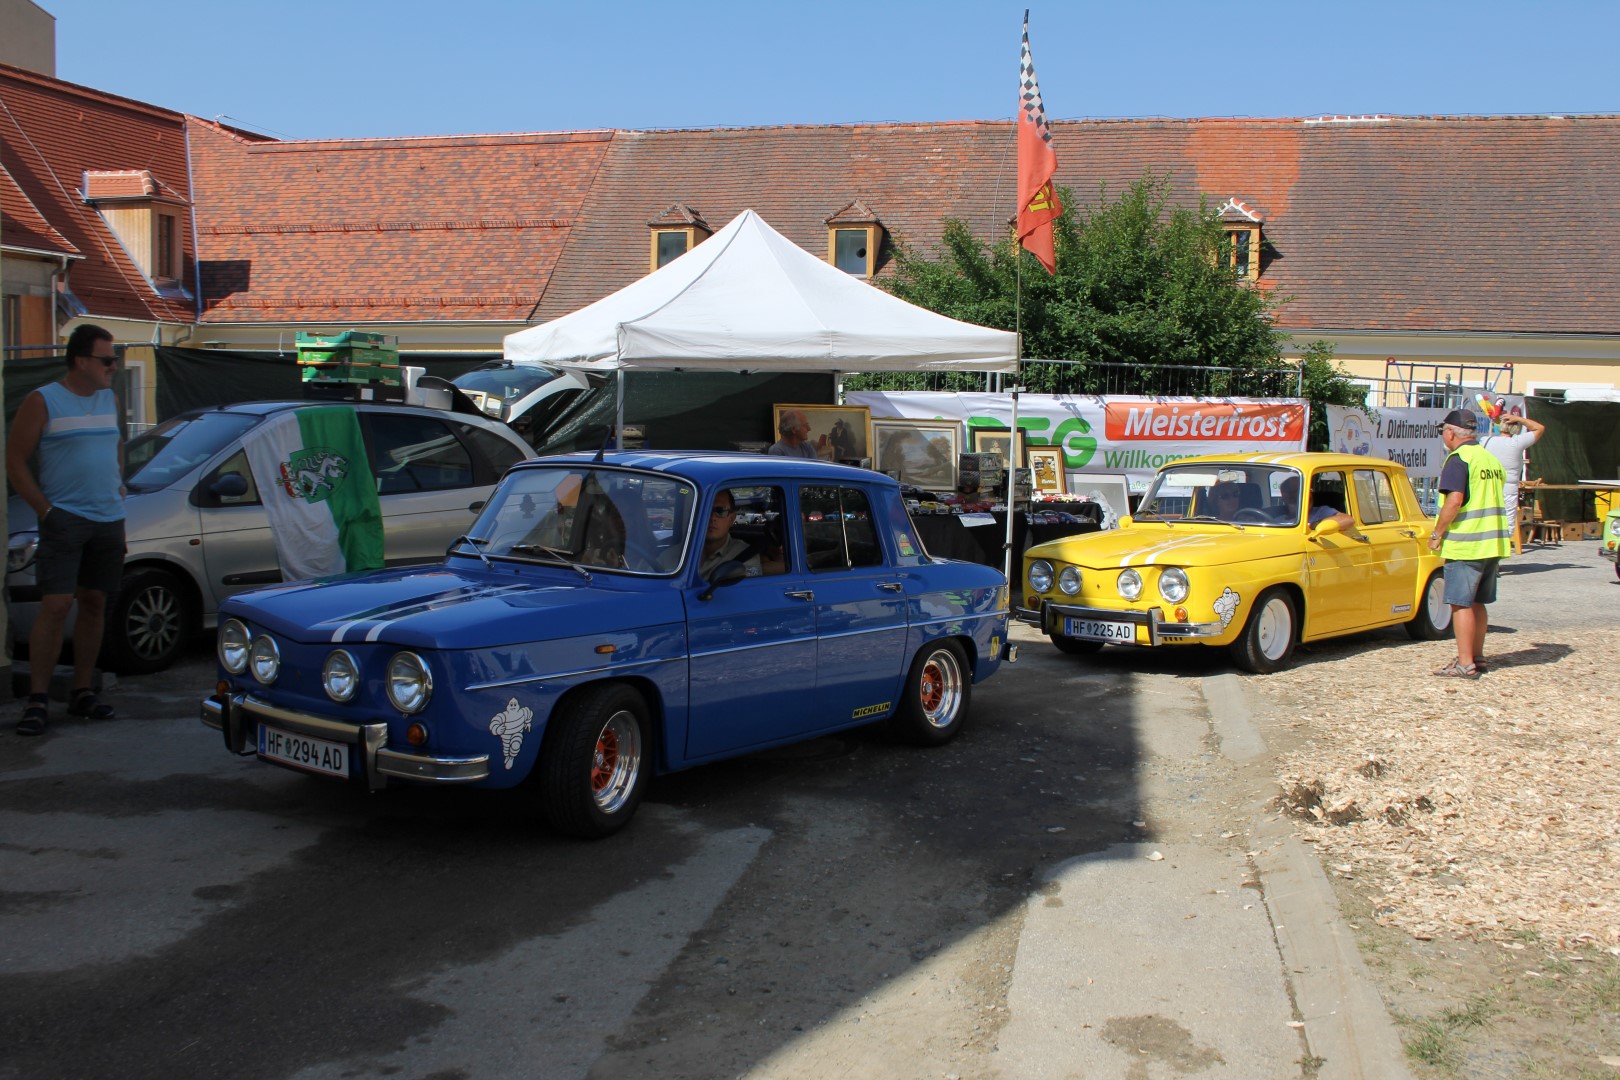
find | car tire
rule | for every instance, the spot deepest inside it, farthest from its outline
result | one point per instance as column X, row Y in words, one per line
column 1267, row 641
column 149, row 623
column 1074, row 646
column 1432, row 620
column 938, row 690
column 594, row 762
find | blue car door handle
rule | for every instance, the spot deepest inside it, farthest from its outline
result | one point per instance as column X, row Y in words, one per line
column 799, row 594
column 890, row 586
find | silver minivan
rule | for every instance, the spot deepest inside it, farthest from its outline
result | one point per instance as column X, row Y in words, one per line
column 197, row 531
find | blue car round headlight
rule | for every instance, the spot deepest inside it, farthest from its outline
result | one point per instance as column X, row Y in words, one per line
column 1130, row 584
column 233, row 645
column 265, row 659
column 410, row 684
column 1173, row 584
column 340, row 676
column 1040, row 575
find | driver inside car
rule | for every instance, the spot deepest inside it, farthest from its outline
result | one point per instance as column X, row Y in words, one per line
column 1224, row 500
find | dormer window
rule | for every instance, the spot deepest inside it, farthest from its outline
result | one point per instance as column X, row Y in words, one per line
column 147, row 218
column 854, row 238
column 1242, row 222
column 675, row 232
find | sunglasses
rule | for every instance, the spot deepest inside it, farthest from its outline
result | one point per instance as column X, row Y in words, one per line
column 1226, row 494
column 106, row 361
column 723, row 511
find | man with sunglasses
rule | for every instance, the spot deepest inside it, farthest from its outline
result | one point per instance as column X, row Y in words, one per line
column 78, row 496
column 720, row 546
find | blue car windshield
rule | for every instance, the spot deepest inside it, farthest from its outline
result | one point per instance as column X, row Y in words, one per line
column 157, row 458
column 591, row 517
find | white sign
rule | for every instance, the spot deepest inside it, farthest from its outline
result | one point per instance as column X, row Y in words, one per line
column 1409, row 436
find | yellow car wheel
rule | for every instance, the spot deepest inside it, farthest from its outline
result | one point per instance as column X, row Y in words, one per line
column 1267, row 641
column 1432, row 620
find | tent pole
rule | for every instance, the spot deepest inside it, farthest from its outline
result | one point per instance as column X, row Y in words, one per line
column 618, row 420
column 1012, row 487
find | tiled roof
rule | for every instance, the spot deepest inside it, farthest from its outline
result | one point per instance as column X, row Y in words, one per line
column 124, row 184
column 23, row 226
column 51, row 134
column 1500, row 224
column 386, row 230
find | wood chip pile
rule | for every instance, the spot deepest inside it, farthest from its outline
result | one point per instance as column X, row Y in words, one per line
column 1486, row 809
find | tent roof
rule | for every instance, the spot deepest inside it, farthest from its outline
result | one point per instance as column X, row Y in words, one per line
column 749, row 299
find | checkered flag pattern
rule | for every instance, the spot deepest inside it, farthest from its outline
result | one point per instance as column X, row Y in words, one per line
column 1031, row 90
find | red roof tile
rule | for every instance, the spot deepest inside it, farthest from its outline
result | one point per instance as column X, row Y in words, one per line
column 51, row 134
column 385, row 230
column 23, row 226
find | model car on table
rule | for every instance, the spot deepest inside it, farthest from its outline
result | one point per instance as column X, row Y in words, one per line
column 571, row 641
column 1224, row 552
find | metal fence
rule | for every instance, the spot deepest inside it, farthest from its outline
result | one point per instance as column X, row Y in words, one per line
column 1086, row 377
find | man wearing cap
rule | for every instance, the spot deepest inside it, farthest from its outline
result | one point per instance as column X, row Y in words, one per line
column 1471, row 533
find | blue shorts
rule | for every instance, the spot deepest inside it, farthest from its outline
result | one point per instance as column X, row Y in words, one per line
column 1471, row 581
column 77, row 553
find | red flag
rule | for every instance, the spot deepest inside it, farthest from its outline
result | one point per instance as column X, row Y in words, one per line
column 1037, row 202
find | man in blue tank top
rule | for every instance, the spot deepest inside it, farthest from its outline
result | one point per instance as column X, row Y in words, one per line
column 79, row 496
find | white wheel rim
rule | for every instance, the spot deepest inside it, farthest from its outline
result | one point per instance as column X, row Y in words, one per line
column 1276, row 629
column 1435, row 601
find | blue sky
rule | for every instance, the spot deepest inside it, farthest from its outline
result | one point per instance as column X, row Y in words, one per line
column 347, row 68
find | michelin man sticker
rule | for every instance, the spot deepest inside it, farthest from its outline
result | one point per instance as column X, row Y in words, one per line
column 1225, row 606
column 509, row 727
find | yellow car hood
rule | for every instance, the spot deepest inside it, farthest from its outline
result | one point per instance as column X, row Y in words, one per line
column 1172, row 545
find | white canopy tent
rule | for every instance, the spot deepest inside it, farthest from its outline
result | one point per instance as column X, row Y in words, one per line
column 749, row 299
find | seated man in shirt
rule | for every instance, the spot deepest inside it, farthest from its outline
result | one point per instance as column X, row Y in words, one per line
column 720, row 546
column 1319, row 512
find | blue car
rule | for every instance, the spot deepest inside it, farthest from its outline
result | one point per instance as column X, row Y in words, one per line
column 611, row 616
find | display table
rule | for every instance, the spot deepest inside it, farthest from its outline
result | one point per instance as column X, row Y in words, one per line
column 948, row 536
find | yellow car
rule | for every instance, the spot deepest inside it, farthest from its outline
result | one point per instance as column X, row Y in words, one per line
column 1219, row 553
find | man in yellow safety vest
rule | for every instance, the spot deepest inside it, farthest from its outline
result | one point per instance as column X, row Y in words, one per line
column 1472, row 535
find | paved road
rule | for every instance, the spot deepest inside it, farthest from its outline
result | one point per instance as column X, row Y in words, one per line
column 1078, row 886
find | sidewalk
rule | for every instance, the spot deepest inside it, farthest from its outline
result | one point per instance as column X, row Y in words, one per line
column 1216, row 950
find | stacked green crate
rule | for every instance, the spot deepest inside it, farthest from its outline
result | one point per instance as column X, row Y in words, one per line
column 350, row 358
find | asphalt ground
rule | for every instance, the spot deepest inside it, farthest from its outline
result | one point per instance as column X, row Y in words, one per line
column 1087, row 883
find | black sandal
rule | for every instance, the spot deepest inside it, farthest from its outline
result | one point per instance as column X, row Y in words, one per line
column 85, row 703
column 35, row 714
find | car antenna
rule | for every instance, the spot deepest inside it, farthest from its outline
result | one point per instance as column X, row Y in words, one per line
column 600, row 450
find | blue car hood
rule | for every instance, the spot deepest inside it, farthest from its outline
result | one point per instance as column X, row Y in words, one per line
column 444, row 607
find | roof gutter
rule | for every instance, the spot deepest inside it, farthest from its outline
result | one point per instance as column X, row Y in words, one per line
column 196, row 237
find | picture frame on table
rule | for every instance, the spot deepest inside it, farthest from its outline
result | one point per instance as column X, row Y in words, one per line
column 1114, row 489
column 999, row 441
column 833, row 432
column 921, row 453
column 1046, row 468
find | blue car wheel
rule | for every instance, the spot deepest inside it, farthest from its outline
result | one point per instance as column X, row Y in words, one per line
column 935, row 701
column 593, row 764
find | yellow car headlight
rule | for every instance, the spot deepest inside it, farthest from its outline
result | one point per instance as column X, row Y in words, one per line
column 1069, row 580
column 1173, row 585
column 1040, row 575
column 1130, row 584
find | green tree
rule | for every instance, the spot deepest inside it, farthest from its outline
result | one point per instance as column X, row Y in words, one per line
column 1142, row 291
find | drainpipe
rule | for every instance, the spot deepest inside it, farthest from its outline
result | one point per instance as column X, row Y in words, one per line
column 196, row 238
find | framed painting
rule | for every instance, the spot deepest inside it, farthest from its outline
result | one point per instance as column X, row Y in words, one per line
column 828, row 432
column 999, row 441
column 1112, row 489
column 921, row 453
column 1046, row 467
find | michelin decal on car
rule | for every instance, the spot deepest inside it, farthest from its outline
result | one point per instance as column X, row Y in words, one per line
column 509, row 726
column 1226, row 606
